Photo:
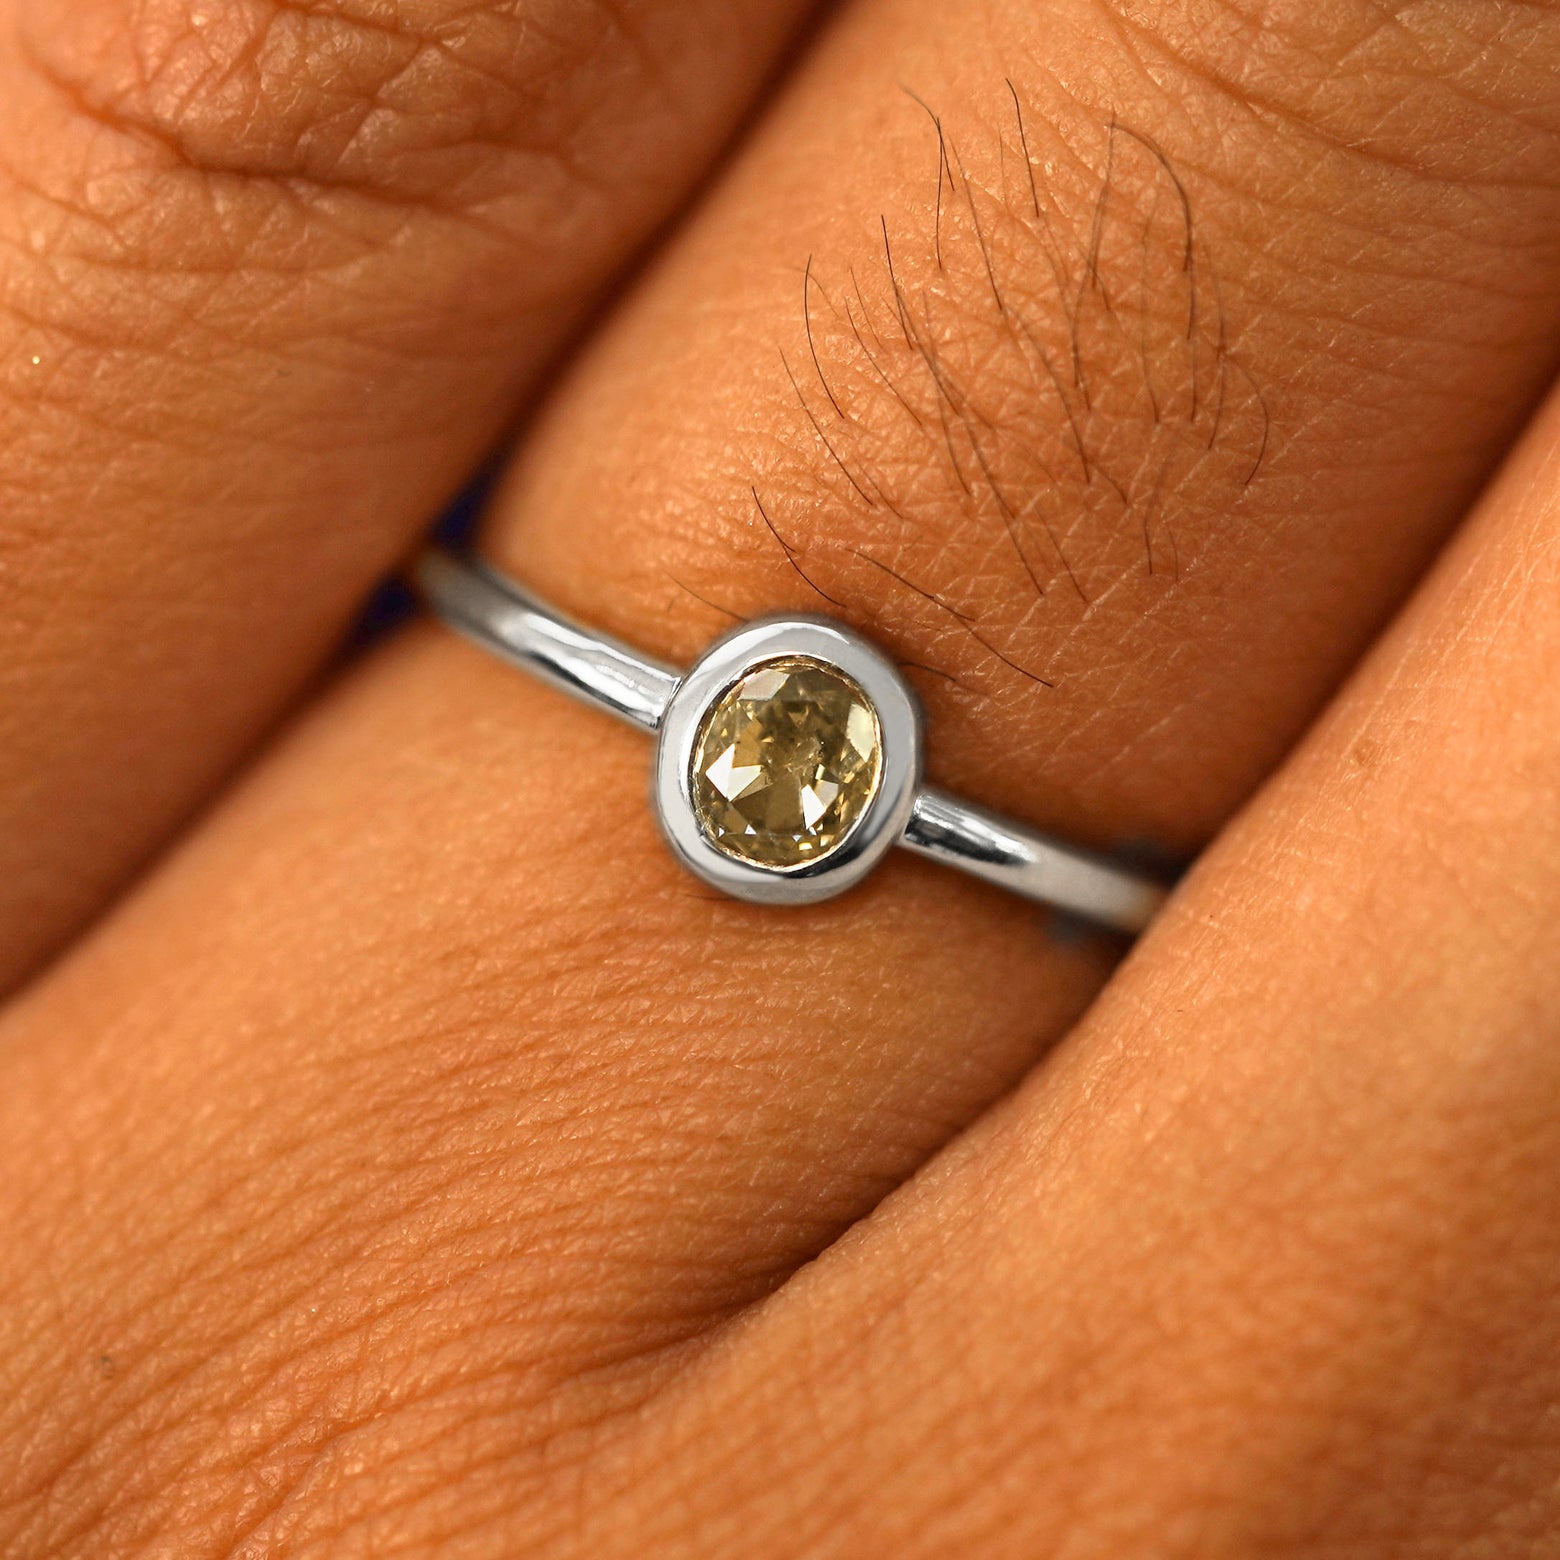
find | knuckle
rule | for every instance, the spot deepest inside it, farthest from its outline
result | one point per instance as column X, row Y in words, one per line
column 400, row 100
column 200, row 162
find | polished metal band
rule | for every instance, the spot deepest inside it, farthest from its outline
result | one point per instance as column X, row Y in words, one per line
column 497, row 614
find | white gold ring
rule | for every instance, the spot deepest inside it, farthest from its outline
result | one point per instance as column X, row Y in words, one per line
column 788, row 759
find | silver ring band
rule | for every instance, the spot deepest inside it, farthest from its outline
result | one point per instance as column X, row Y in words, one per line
column 892, row 805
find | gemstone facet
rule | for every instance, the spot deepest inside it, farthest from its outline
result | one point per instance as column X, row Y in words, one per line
column 785, row 764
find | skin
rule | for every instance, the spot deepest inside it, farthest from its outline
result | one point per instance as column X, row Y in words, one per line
column 417, row 1163
column 277, row 277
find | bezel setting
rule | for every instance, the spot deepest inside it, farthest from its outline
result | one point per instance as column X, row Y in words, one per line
column 883, row 820
column 502, row 617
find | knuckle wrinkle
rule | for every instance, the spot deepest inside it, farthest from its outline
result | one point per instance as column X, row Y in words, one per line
column 391, row 98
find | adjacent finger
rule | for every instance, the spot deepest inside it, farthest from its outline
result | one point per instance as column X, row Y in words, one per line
column 1263, row 1262
column 272, row 277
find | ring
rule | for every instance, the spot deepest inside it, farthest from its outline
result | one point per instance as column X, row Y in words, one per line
column 788, row 759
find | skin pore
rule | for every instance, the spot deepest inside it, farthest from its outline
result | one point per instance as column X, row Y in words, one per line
column 416, row 1162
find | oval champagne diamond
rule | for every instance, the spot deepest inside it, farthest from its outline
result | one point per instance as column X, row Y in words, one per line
column 786, row 763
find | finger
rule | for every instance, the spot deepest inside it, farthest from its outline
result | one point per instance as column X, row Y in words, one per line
column 453, row 1007
column 1131, row 460
column 273, row 278
column 1263, row 1263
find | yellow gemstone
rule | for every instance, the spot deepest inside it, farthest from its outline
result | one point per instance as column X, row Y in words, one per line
column 786, row 763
